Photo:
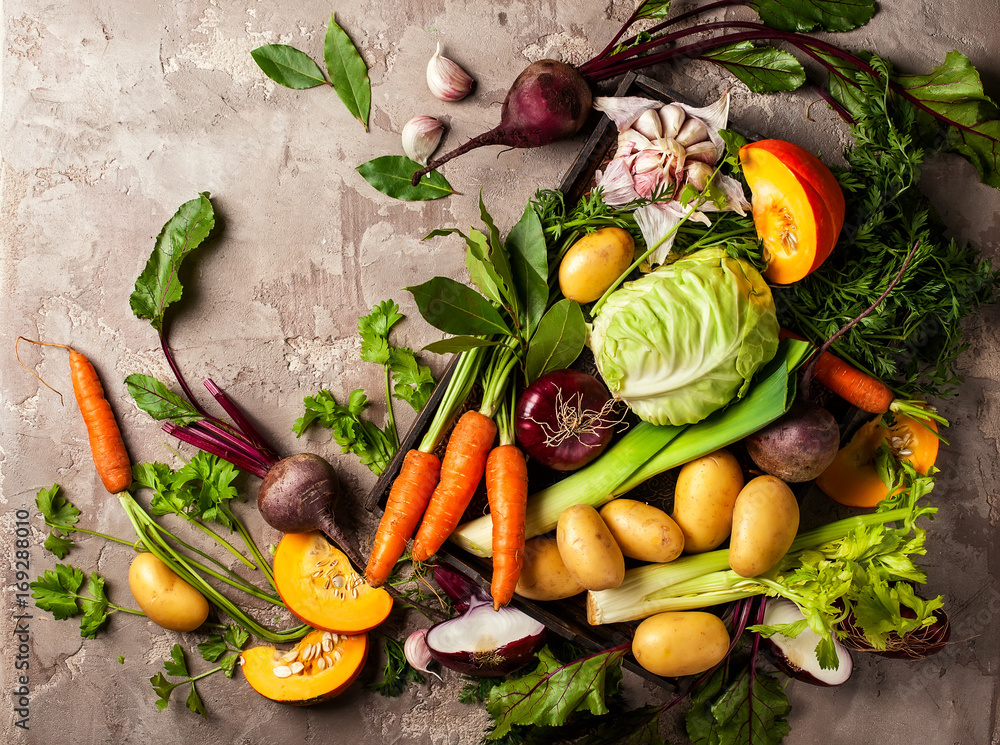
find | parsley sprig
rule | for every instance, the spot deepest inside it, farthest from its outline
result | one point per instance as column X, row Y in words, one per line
column 222, row 648
column 405, row 380
column 59, row 591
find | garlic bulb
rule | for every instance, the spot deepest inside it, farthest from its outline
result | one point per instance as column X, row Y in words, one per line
column 660, row 150
column 416, row 652
column 447, row 81
column 421, row 136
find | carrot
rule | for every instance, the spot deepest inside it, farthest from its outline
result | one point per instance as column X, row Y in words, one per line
column 107, row 447
column 507, row 492
column 410, row 493
column 852, row 385
column 461, row 470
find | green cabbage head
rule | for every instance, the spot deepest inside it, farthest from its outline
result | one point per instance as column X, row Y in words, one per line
column 685, row 339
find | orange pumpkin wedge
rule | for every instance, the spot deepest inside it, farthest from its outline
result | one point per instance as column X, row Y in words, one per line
column 321, row 588
column 798, row 207
column 852, row 480
column 320, row 666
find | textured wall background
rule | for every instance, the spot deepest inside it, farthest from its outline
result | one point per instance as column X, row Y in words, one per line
column 114, row 113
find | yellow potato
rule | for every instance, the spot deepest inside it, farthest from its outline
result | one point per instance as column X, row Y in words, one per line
column 704, row 497
column 765, row 521
column 588, row 550
column 680, row 643
column 544, row 576
column 642, row 531
column 594, row 262
column 164, row 597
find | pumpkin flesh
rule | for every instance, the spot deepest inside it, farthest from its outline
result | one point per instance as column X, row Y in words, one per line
column 321, row 588
column 319, row 667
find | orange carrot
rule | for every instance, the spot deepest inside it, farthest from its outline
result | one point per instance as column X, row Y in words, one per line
column 107, row 448
column 407, row 500
column 507, row 491
column 852, row 385
column 106, row 444
column 461, row 470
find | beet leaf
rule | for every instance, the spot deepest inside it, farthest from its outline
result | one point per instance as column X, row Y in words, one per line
column 749, row 708
column 554, row 691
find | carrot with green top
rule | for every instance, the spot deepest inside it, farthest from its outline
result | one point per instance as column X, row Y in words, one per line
column 107, row 447
column 507, row 492
column 464, row 460
column 418, row 476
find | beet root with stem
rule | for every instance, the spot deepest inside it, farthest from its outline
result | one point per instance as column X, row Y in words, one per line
column 549, row 101
column 299, row 494
column 797, row 446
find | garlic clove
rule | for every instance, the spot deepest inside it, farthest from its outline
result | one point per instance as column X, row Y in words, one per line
column 648, row 160
column 705, row 151
column 417, row 653
column 694, row 130
column 699, row 174
column 648, row 125
column 447, row 81
column 671, row 120
column 421, row 136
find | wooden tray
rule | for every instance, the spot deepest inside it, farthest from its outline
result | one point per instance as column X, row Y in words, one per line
column 567, row 618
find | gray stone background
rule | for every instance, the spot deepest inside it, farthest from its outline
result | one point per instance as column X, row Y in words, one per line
column 114, row 113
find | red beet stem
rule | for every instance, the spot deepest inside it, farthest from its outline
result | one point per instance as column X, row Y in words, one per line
column 496, row 136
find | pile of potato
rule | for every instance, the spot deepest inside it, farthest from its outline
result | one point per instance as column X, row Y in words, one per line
column 712, row 504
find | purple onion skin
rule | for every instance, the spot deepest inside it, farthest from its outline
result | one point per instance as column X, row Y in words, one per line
column 461, row 590
column 299, row 494
column 537, row 416
column 499, row 662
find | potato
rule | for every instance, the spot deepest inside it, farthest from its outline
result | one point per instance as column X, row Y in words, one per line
column 588, row 550
column 593, row 263
column 704, row 496
column 765, row 521
column 166, row 599
column 544, row 576
column 673, row 644
column 642, row 531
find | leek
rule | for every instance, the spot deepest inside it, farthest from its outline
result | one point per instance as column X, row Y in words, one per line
column 648, row 449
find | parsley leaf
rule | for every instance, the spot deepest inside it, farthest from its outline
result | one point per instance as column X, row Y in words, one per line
column 59, row 591
column 222, row 648
column 60, row 515
column 405, row 379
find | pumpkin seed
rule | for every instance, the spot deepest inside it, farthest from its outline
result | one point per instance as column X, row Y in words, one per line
column 282, row 671
column 297, row 667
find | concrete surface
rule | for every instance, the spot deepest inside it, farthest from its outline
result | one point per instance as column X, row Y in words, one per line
column 115, row 112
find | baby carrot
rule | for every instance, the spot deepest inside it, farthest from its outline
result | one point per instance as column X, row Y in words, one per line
column 507, row 491
column 106, row 444
column 407, row 500
column 461, row 471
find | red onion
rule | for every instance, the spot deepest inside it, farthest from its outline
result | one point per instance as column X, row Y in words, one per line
column 565, row 419
column 483, row 642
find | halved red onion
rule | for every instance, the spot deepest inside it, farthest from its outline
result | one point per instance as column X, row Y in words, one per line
column 796, row 656
column 483, row 642
column 565, row 419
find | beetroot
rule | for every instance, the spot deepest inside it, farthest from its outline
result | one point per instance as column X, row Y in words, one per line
column 549, row 101
column 799, row 445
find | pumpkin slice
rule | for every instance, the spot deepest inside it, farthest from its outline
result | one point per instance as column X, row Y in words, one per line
column 321, row 588
column 320, row 666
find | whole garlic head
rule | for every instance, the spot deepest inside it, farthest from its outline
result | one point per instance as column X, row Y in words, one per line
column 447, row 81
column 421, row 136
